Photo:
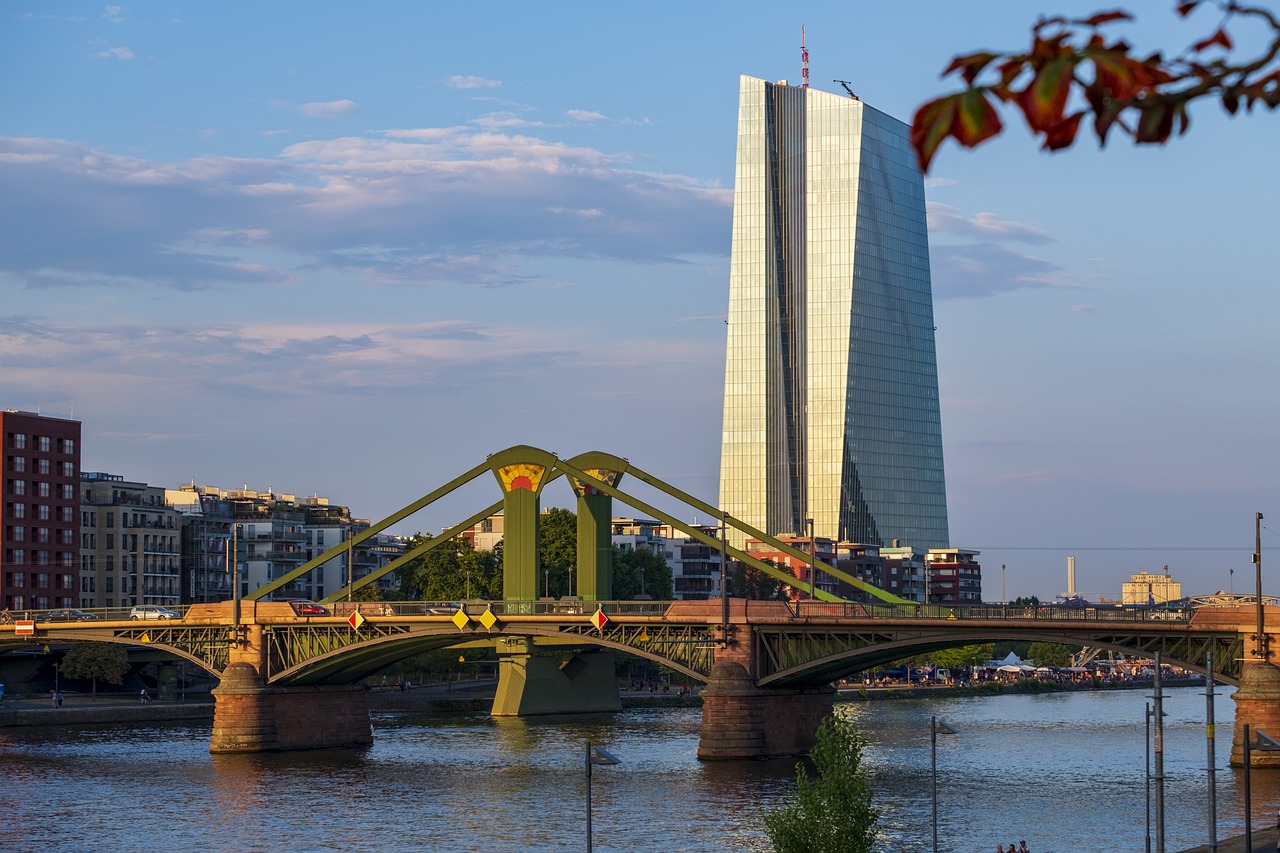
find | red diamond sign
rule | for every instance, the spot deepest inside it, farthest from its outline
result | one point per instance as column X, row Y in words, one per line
column 356, row 619
column 599, row 620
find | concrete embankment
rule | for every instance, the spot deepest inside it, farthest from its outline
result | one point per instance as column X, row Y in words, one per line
column 84, row 711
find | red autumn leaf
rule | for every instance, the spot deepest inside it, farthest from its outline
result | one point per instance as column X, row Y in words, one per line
column 1188, row 7
column 1063, row 134
column 1154, row 124
column 1045, row 98
column 1107, row 17
column 930, row 126
column 970, row 66
column 1219, row 38
column 976, row 119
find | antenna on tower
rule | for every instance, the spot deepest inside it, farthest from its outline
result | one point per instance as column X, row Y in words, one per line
column 845, row 83
column 804, row 62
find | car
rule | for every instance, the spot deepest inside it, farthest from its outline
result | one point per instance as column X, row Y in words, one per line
column 303, row 607
column 447, row 608
column 153, row 611
column 69, row 615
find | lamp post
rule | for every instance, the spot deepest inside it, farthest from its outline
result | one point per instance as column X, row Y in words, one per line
column 596, row 755
column 1264, row 744
column 1211, row 761
column 724, row 579
column 1257, row 564
column 935, row 726
column 1157, row 710
column 1004, row 599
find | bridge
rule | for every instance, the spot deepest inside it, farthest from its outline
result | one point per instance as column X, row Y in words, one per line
column 291, row 681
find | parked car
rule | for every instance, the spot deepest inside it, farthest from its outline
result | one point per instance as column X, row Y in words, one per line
column 69, row 615
column 153, row 611
column 448, row 608
column 302, row 607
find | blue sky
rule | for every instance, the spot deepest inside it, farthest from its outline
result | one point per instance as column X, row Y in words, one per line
column 351, row 249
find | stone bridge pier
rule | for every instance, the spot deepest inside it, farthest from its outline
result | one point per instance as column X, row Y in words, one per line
column 743, row 721
column 250, row 716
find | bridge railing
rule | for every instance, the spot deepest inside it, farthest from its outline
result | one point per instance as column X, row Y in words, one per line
column 538, row 607
column 1004, row 612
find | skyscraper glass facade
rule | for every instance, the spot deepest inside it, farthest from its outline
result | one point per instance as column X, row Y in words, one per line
column 831, row 381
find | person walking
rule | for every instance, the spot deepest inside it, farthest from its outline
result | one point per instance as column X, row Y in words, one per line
column 57, row 700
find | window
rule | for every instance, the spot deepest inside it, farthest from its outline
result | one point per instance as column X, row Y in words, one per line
column 42, row 512
column 17, row 487
column 68, row 581
column 18, row 441
column 17, row 463
column 18, row 510
column 19, row 578
column 42, row 466
column 42, row 534
column 111, row 520
column 67, row 445
column 68, row 469
column 68, row 492
column 42, row 581
column 111, row 540
column 111, row 584
column 44, row 443
column 68, row 536
column 18, row 534
column 67, row 513
column 43, row 490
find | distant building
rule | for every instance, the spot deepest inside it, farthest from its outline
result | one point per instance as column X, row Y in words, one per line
column 131, row 543
column 831, row 408
column 40, row 533
column 953, row 576
column 1150, row 588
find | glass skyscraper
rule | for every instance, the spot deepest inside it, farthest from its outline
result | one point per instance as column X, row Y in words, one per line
column 831, row 379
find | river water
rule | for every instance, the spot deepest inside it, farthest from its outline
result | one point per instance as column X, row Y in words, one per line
column 1065, row 772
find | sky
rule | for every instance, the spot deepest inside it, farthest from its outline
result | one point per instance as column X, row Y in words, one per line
column 350, row 250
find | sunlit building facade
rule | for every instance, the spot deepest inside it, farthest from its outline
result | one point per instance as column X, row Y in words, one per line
column 831, row 384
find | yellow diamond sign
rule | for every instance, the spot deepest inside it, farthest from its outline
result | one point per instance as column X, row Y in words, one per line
column 460, row 619
column 356, row 619
column 599, row 620
column 488, row 620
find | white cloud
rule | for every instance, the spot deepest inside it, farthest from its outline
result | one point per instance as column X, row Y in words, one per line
column 584, row 115
column 986, row 226
column 460, row 81
column 114, row 53
column 328, row 109
column 114, row 14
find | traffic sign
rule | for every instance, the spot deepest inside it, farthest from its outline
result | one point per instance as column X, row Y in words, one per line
column 356, row 619
column 599, row 620
column 24, row 626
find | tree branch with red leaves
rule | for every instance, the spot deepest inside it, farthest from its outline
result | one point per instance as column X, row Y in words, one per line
column 1073, row 72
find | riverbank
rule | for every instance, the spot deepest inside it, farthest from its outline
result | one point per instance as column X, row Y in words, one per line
column 101, row 710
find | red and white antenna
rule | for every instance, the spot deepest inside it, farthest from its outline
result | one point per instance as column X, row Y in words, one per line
column 804, row 62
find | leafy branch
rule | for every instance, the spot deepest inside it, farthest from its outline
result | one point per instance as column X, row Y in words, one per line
column 1072, row 72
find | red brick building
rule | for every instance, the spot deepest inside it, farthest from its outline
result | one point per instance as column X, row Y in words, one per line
column 39, row 511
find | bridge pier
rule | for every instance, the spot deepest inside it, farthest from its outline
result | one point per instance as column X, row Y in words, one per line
column 1258, row 706
column 532, row 681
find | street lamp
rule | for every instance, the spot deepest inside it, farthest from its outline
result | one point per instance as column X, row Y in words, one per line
column 596, row 755
column 1263, row 744
column 935, row 726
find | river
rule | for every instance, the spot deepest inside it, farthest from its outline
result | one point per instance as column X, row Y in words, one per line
column 1063, row 771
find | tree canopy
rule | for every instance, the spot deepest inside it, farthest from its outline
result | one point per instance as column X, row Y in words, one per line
column 452, row 571
column 97, row 661
column 832, row 813
column 1072, row 71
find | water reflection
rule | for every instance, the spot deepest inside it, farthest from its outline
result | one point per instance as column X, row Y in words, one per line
column 1064, row 771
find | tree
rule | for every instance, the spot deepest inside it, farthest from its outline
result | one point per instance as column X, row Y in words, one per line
column 832, row 813
column 106, row 661
column 1071, row 71
column 1051, row 654
column 558, row 550
column 638, row 572
column 749, row 582
column 451, row 571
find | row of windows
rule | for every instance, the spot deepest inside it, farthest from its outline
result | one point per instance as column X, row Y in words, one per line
column 43, row 512
column 40, row 443
column 43, row 535
column 19, row 464
column 41, row 489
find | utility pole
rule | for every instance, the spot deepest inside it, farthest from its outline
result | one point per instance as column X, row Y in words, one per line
column 1261, row 650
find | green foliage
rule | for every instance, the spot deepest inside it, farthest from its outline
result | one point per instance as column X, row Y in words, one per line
column 368, row 592
column 558, row 550
column 749, row 582
column 451, row 571
column 98, row 661
column 640, row 572
column 1052, row 654
column 1025, row 601
column 832, row 813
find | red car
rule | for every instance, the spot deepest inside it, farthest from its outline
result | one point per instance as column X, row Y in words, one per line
column 302, row 607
